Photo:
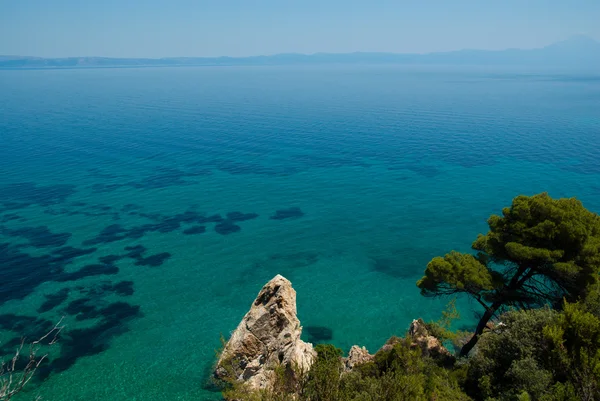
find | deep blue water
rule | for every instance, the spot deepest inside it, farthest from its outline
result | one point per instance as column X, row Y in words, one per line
column 148, row 206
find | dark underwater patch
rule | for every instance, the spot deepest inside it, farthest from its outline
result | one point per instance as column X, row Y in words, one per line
column 122, row 288
column 39, row 237
column 393, row 267
column 239, row 216
column 17, row 281
column 22, row 272
column 215, row 218
column 290, row 213
column 318, row 334
column 54, row 300
column 166, row 224
column 103, row 208
column 28, row 193
column 135, row 252
column 153, row 260
column 88, row 308
column 68, row 253
column 91, row 211
column 10, row 206
column 112, row 233
column 194, row 230
column 98, row 269
column 7, row 348
column 227, row 227
column 11, row 217
column 28, row 327
column 80, row 307
column 130, row 206
column 78, row 343
column 109, row 259
column 164, row 177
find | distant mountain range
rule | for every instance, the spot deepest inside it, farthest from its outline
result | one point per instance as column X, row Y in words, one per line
column 577, row 51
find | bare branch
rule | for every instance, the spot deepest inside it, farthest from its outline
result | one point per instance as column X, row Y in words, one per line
column 13, row 379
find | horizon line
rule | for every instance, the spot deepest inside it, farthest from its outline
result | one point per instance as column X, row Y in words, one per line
column 309, row 54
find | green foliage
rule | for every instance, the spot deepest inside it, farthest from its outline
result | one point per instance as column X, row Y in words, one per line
column 541, row 354
column 538, row 252
column 398, row 373
column 399, row 356
column 323, row 382
column 455, row 272
column 575, row 349
column 441, row 328
column 391, row 386
column 328, row 353
column 511, row 359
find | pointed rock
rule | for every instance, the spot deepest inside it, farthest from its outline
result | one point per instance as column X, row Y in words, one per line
column 356, row 356
column 430, row 345
column 268, row 336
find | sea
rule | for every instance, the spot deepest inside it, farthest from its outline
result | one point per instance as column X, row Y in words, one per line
column 144, row 208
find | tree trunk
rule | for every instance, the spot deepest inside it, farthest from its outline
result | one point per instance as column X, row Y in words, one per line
column 517, row 281
column 480, row 327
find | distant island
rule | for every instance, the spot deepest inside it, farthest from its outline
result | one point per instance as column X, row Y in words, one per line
column 577, row 51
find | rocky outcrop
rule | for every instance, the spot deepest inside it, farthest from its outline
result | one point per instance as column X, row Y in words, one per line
column 268, row 336
column 430, row 346
column 356, row 356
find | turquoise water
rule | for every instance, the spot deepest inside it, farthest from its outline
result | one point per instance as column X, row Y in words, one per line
column 346, row 180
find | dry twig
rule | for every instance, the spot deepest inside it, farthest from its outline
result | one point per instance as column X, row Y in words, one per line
column 12, row 377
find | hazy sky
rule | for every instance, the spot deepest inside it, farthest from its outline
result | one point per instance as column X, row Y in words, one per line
column 164, row 28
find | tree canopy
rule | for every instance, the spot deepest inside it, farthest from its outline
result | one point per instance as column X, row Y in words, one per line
column 539, row 252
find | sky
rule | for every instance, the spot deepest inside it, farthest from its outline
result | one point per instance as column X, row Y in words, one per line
column 209, row 28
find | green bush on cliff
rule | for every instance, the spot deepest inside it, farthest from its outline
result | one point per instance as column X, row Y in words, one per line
column 398, row 372
column 323, row 379
column 441, row 328
column 547, row 355
column 510, row 359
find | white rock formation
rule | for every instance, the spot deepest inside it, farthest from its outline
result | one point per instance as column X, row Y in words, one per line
column 267, row 337
column 356, row 356
column 430, row 346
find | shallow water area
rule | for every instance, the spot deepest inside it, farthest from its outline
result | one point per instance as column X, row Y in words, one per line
column 148, row 206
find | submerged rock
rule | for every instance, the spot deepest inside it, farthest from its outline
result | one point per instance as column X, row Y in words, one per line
column 268, row 336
